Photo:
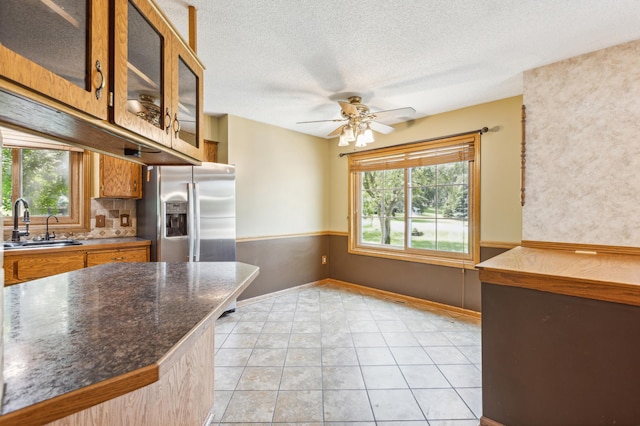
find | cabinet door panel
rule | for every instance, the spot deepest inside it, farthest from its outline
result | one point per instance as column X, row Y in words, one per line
column 187, row 103
column 53, row 48
column 119, row 178
column 32, row 267
column 142, row 70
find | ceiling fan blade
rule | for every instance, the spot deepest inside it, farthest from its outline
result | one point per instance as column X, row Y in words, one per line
column 335, row 120
column 398, row 112
column 381, row 128
column 348, row 108
column 337, row 131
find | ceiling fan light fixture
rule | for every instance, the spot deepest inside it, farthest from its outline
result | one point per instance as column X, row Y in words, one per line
column 367, row 135
column 343, row 139
column 349, row 133
column 361, row 141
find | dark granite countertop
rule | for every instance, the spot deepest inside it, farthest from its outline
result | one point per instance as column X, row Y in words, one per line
column 76, row 329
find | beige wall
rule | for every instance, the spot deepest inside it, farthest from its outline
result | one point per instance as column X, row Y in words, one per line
column 582, row 173
column 281, row 186
column 500, row 164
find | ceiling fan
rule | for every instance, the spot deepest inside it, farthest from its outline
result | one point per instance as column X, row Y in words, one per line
column 360, row 121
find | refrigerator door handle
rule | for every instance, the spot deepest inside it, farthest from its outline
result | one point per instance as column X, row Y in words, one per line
column 196, row 201
column 190, row 220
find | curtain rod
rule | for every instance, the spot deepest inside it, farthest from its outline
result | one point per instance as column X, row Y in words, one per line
column 481, row 131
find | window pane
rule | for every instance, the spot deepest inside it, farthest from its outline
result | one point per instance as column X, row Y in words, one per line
column 6, row 182
column 45, row 181
column 421, row 176
column 382, row 217
column 440, row 207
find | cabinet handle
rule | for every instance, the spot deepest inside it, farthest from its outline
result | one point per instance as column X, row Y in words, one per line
column 118, row 258
column 175, row 120
column 102, row 83
column 135, row 185
column 167, row 116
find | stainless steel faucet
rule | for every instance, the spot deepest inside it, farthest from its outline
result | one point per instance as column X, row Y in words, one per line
column 48, row 237
column 16, row 234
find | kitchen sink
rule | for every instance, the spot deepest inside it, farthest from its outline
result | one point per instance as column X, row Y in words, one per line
column 8, row 245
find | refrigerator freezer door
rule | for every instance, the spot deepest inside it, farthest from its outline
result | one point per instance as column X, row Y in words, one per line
column 217, row 223
column 173, row 184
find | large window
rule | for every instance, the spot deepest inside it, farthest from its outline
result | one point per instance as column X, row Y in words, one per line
column 417, row 202
column 50, row 176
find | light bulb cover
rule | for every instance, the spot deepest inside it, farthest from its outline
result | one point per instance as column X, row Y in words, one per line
column 368, row 135
column 343, row 139
column 360, row 142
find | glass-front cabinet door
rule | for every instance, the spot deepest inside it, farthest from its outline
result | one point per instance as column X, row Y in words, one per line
column 58, row 48
column 142, row 71
column 187, row 104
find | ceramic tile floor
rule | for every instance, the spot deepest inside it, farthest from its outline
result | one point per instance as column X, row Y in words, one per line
column 329, row 354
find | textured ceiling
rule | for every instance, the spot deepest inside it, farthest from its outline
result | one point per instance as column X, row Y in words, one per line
column 284, row 61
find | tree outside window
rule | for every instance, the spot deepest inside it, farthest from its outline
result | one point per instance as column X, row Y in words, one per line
column 40, row 176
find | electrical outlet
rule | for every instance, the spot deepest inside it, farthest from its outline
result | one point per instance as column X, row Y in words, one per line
column 100, row 221
column 324, row 260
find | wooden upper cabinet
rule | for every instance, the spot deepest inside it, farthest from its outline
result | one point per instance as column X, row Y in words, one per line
column 59, row 49
column 157, row 80
column 187, row 78
column 119, row 178
column 142, row 71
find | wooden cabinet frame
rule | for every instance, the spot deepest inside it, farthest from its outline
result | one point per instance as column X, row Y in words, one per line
column 21, row 70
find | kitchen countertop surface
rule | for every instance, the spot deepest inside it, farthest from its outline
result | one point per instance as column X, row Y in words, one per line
column 72, row 330
column 599, row 276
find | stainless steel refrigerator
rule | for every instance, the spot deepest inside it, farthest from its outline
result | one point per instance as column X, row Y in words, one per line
column 189, row 213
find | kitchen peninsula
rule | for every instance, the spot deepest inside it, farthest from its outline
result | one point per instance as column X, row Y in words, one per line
column 560, row 337
column 123, row 343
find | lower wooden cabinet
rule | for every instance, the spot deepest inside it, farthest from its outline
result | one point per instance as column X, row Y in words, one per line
column 20, row 266
column 111, row 256
column 32, row 266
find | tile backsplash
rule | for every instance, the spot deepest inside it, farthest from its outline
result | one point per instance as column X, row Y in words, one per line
column 112, row 210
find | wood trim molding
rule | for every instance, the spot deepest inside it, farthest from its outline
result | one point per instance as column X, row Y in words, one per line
column 605, row 277
column 498, row 244
column 577, row 247
column 338, row 233
column 403, row 298
column 276, row 237
column 485, row 421
column 75, row 401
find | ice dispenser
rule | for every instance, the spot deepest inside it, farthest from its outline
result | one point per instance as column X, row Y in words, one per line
column 176, row 218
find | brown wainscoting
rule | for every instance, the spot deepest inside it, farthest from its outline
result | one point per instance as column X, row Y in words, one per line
column 450, row 286
column 289, row 261
column 284, row 262
column 551, row 359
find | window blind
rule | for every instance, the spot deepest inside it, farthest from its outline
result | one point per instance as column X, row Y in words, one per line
column 416, row 155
